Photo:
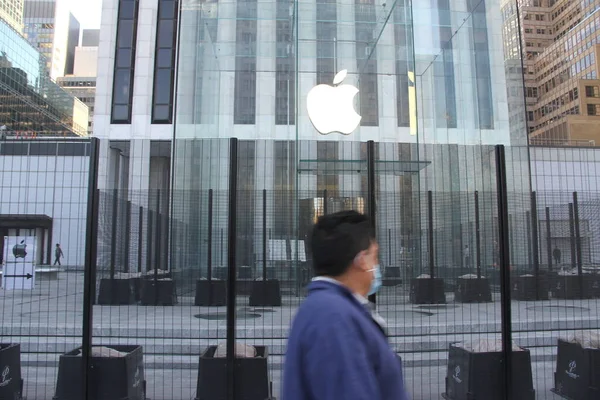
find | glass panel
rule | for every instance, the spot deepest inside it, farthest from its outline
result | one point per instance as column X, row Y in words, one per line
column 167, row 9
column 125, row 30
column 127, row 9
column 162, row 86
column 124, row 58
column 166, row 32
column 120, row 113
column 164, row 58
column 122, row 86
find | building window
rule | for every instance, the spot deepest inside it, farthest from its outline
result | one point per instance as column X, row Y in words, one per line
column 532, row 92
column 326, row 17
column 483, row 73
column 592, row 91
column 404, row 65
column 364, row 15
column 164, row 62
column 593, row 109
column 244, row 102
column 124, row 62
column 443, row 71
column 285, row 67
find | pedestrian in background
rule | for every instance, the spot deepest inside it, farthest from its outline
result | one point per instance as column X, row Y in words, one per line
column 337, row 347
column 58, row 254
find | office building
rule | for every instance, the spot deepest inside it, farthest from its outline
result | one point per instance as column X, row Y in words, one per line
column 90, row 37
column 11, row 11
column 54, row 31
column 82, row 82
column 31, row 103
column 560, row 53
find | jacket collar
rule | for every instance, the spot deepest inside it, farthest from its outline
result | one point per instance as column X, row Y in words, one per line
column 330, row 284
column 361, row 299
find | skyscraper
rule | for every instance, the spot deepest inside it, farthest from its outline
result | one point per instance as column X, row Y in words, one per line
column 32, row 104
column 81, row 82
column 11, row 11
column 561, row 67
column 54, row 31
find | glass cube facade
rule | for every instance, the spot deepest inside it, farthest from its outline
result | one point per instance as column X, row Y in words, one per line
column 439, row 83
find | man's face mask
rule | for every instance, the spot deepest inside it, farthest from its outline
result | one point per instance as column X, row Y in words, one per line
column 377, row 280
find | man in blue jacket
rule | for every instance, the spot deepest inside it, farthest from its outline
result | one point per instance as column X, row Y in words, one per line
column 337, row 348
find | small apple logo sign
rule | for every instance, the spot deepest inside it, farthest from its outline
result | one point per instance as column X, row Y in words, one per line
column 331, row 108
column 19, row 250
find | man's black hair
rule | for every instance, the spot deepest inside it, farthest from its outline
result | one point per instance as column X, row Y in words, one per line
column 337, row 239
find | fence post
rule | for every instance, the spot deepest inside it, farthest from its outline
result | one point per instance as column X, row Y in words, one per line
column 139, row 240
column 210, row 229
column 577, row 234
column 371, row 193
column 477, row 236
column 535, row 243
column 572, row 236
column 504, row 270
column 264, row 242
column 91, row 249
column 389, row 247
column 113, row 233
column 548, row 240
column 231, row 267
column 528, row 237
column 149, row 238
column 157, row 246
column 430, row 235
column 127, row 236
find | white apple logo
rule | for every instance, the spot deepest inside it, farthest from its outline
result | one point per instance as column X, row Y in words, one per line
column 331, row 108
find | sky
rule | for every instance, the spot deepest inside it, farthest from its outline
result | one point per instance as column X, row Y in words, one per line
column 87, row 12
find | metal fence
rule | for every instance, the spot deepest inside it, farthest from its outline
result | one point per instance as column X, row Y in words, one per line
column 477, row 268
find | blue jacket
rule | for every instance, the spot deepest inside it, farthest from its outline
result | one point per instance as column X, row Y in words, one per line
column 336, row 351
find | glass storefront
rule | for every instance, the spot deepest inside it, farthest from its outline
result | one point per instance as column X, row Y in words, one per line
column 439, row 83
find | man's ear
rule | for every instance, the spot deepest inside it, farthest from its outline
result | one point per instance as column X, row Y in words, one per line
column 359, row 260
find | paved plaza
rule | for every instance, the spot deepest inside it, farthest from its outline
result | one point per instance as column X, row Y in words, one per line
column 47, row 322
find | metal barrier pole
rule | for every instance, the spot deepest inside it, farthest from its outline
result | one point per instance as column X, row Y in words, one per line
column 535, row 249
column 113, row 233
column 504, row 270
column 572, row 236
column 548, row 240
column 477, row 236
column 430, row 236
column 371, row 193
column 139, row 239
column 264, row 242
column 231, row 267
column 209, row 250
column 126, row 256
column 157, row 246
column 89, row 281
column 577, row 234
